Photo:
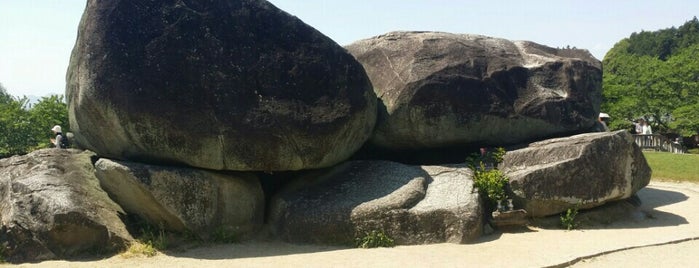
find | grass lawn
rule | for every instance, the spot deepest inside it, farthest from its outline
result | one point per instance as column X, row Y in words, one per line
column 674, row 167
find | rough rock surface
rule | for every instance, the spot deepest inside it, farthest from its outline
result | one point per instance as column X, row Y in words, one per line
column 225, row 85
column 202, row 202
column 441, row 89
column 51, row 206
column 588, row 170
column 411, row 204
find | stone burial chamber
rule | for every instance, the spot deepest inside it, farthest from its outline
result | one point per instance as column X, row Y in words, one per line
column 209, row 117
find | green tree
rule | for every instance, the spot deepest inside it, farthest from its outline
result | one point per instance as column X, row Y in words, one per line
column 687, row 120
column 49, row 111
column 15, row 125
column 24, row 130
column 654, row 75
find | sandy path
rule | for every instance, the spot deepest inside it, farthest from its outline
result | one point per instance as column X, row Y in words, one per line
column 673, row 211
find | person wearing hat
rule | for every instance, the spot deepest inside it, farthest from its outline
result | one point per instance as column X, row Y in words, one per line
column 601, row 124
column 58, row 141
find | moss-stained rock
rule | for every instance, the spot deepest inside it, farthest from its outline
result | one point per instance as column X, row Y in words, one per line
column 441, row 89
column 410, row 204
column 587, row 170
column 225, row 85
column 52, row 206
column 200, row 202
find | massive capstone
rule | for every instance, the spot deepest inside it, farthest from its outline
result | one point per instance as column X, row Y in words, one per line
column 441, row 89
column 234, row 85
column 584, row 171
column 52, row 206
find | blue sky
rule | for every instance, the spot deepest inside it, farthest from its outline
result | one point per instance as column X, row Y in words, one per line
column 37, row 36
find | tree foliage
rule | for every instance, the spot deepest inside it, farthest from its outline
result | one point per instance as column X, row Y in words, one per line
column 25, row 129
column 654, row 75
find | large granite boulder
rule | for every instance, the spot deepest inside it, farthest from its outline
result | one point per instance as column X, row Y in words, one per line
column 411, row 204
column 200, row 202
column 441, row 89
column 226, row 85
column 52, row 206
column 586, row 170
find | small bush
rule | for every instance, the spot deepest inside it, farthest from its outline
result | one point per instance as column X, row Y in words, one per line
column 568, row 219
column 374, row 239
column 154, row 237
column 693, row 151
column 138, row 249
column 491, row 183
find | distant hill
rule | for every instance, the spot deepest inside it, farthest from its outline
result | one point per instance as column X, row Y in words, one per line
column 33, row 99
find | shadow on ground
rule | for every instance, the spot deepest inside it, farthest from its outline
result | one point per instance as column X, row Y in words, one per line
column 640, row 211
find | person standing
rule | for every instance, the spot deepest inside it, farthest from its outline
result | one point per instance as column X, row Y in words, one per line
column 59, row 141
column 638, row 126
column 645, row 128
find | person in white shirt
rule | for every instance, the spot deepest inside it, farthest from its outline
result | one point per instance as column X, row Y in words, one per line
column 645, row 128
column 59, row 136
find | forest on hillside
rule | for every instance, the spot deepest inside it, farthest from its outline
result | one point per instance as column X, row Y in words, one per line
column 655, row 75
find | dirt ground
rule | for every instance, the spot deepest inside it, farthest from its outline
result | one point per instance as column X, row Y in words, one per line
column 664, row 229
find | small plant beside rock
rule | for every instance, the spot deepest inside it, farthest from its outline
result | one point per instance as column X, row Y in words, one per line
column 138, row 249
column 156, row 238
column 568, row 219
column 374, row 239
column 491, row 184
column 489, row 180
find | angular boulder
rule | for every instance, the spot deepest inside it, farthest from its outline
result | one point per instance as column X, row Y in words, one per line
column 411, row 204
column 441, row 89
column 586, row 170
column 225, row 85
column 52, row 206
column 201, row 202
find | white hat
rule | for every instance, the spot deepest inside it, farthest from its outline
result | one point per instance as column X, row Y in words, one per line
column 603, row 115
column 56, row 128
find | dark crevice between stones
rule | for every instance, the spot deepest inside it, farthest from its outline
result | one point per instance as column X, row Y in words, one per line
column 272, row 183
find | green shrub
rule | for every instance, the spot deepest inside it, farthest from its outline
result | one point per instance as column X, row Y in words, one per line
column 568, row 219
column 140, row 249
column 490, row 183
column 154, row 237
column 374, row 239
column 693, row 151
